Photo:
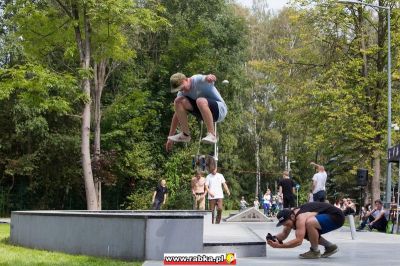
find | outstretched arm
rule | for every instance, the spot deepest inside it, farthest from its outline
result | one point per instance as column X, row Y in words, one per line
column 284, row 234
column 300, row 233
column 172, row 129
column 315, row 164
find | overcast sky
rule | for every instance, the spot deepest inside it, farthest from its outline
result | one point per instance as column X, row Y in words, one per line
column 273, row 4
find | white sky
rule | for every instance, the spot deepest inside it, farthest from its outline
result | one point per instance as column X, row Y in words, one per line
column 272, row 4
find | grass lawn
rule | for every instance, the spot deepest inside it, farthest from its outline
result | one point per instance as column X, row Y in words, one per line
column 14, row 255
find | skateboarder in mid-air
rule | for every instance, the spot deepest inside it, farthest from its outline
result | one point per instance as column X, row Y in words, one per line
column 196, row 95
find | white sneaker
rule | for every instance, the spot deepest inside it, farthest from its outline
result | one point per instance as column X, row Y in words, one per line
column 179, row 138
column 210, row 139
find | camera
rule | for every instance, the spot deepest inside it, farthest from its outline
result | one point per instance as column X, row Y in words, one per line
column 271, row 237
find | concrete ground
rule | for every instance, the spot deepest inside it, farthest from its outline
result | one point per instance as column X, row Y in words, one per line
column 368, row 248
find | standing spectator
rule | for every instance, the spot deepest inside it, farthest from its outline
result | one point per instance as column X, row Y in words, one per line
column 214, row 183
column 267, row 202
column 274, row 205
column 279, row 202
column 243, row 204
column 256, row 203
column 160, row 195
column 287, row 190
column 198, row 191
column 319, row 180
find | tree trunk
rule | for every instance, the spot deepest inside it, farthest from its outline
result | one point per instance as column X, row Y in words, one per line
column 85, row 53
column 91, row 199
column 99, row 83
column 258, row 175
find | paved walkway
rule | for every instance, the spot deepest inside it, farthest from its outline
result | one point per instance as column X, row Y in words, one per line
column 368, row 248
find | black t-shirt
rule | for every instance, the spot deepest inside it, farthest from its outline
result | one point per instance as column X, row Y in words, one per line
column 287, row 185
column 160, row 192
column 323, row 208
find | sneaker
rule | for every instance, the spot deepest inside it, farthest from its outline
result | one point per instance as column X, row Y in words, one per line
column 210, row 139
column 311, row 254
column 179, row 138
column 330, row 251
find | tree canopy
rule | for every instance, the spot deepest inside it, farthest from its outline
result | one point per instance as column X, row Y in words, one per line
column 84, row 90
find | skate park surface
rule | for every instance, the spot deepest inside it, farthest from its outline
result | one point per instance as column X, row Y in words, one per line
column 368, row 248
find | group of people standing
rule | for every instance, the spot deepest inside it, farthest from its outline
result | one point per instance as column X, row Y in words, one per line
column 271, row 204
column 211, row 186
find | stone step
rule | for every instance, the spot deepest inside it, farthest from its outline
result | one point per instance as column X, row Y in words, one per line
column 233, row 237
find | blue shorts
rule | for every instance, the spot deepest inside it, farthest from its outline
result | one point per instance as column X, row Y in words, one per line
column 327, row 223
column 212, row 104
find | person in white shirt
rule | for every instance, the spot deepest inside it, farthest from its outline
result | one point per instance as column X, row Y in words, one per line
column 243, row 204
column 319, row 180
column 256, row 203
column 214, row 183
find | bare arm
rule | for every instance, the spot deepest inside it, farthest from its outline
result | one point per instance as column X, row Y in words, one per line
column 284, row 234
column 314, row 164
column 193, row 186
column 174, row 125
column 209, row 192
column 154, row 196
column 377, row 218
column 165, row 198
column 172, row 130
column 226, row 189
column 300, row 233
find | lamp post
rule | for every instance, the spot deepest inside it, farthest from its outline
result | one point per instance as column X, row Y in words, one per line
column 389, row 72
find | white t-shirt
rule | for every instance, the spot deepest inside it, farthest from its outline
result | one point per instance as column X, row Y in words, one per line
column 214, row 183
column 378, row 212
column 320, row 178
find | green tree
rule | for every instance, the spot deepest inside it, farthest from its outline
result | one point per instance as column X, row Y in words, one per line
column 91, row 37
column 38, row 123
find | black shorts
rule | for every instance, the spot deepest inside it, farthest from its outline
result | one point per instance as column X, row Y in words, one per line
column 212, row 104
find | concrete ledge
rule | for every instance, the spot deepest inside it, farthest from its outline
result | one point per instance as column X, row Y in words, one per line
column 234, row 237
column 242, row 249
column 140, row 235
